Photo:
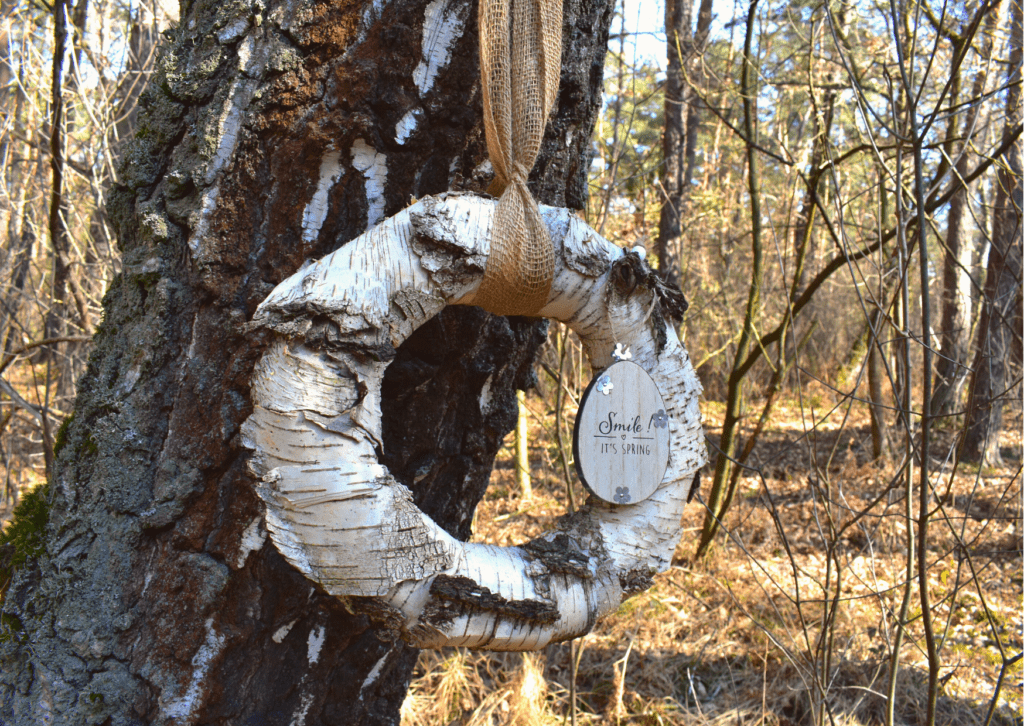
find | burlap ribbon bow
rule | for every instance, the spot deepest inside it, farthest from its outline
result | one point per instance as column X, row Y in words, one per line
column 520, row 61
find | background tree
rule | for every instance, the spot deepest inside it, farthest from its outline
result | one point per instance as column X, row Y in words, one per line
column 271, row 134
column 998, row 359
column 625, row 201
column 56, row 249
column 684, row 45
column 958, row 253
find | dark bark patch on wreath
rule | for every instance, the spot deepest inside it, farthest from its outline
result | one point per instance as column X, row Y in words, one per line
column 455, row 596
column 325, row 335
column 558, row 554
column 630, row 272
column 387, row 619
column 635, row 581
column 437, row 242
column 592, row 265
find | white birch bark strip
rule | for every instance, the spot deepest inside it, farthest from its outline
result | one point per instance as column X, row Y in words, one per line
column 338, row 515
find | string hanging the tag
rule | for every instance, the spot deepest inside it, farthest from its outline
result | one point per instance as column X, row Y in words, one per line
column 520, row 62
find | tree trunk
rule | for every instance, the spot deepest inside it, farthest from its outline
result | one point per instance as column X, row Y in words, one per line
column 20, row 229
column 58, row 219
column 524, row 486
column 720, row 496
column 271, row 135
column 999, row 333
column 880, row 445
column 951, row 366
column 7, row 91
column 679, row 141
column 14, row 274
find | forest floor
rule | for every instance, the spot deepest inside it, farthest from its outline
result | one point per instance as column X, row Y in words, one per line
column 755, row 633
column 781, row 618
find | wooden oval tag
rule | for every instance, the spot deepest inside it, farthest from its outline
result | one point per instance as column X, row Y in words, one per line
column 621, row 439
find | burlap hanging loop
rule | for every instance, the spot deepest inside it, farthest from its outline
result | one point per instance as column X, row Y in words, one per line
column 520, row 62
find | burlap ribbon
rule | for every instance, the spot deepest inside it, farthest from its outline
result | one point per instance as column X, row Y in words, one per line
column 520, row 61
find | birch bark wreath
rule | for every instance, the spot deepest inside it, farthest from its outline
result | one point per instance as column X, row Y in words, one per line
column 336, row 513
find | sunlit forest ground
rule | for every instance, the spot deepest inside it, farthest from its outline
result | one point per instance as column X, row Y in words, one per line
column 781, row 615
column 742, row 636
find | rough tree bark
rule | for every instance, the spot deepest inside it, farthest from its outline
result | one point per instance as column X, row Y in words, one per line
column 273, row 133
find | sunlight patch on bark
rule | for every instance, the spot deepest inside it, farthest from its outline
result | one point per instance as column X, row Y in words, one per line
column 281, row 633
column 252, row 59
column 252, row 540
column 374, row 167
column 185, row 707
column 314, row 643
column 299, row 719
column 441, row 28
column 316, row 211
column 407, row 125
column 485, row 395
column 374, row 673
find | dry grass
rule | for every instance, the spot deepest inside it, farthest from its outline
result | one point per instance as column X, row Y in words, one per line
column 789, row 620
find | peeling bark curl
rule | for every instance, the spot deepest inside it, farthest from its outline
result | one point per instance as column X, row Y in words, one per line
column 342, row 519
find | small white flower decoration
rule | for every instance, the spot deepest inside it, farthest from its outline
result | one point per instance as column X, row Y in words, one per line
column 605, row 385
column 621, row 353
